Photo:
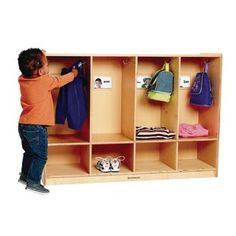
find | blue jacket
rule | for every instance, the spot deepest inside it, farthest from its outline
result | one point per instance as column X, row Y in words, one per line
column 71, row 102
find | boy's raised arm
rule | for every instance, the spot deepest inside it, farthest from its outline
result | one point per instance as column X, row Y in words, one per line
column 59, row 81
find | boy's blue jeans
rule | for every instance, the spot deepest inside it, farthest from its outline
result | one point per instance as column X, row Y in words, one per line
column 34, row 140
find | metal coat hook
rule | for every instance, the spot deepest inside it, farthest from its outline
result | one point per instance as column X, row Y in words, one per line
column 206, row 65
column 167, row 60
column 125, row 61
column 81, row 63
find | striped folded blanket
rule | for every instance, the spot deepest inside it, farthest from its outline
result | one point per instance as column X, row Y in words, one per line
column 153, row 133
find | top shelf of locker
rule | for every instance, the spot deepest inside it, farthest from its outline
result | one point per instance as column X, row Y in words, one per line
column 51, row 54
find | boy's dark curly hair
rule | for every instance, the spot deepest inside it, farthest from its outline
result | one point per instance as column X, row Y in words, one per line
column 30, row 61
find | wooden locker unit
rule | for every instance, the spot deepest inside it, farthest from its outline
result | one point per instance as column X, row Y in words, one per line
column 114, row 113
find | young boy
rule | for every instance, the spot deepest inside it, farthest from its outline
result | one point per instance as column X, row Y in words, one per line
column 38, row 113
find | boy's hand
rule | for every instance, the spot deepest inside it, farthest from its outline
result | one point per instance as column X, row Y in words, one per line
column 75, row 72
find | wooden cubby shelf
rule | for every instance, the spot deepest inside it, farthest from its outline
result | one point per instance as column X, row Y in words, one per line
column 65, row 139
column 110, row 138
column 115, row 110
column 207, row 138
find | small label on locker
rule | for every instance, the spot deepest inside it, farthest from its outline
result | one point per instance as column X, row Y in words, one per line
column 102, row 82
column 184, row 81
column 143, row 81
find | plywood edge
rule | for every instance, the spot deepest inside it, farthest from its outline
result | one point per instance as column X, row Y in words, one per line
column 78, row 54
column 131, row 177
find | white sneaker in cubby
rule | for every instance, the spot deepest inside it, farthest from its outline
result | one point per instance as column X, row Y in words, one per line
column 103, row 164
column 115, row 163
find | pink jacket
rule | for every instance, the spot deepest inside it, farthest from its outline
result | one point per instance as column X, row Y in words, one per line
column 188, row 130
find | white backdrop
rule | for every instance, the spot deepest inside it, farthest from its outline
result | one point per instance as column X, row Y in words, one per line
column 162, row 207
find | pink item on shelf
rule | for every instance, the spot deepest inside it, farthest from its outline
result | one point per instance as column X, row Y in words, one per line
column 187, row 130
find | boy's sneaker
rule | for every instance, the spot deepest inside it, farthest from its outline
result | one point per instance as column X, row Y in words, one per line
column 103, row 165
column 22, row 179
column 115, row 163
column 37, row 188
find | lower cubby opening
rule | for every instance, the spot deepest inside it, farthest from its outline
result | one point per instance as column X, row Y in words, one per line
column 109, row 151
column 110, row 138
column 197, row 156
column 155, row 157
column 67, row 161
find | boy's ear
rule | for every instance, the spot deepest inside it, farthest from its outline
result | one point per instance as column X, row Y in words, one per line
column 40, row 71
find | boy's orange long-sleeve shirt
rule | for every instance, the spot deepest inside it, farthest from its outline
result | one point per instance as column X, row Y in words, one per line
column 36, row 98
